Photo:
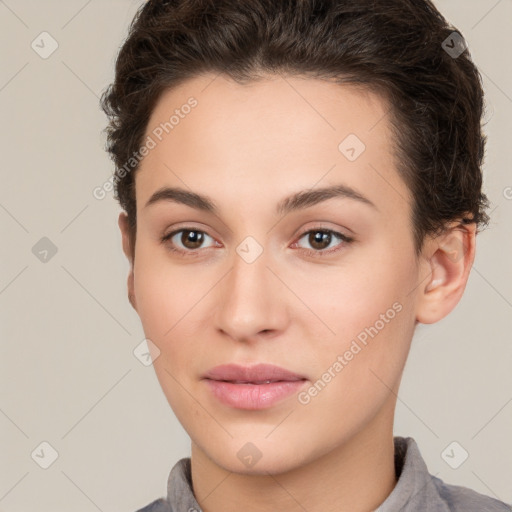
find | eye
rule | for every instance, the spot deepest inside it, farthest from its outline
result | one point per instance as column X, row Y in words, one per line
column 187, row 240
column 323, row 241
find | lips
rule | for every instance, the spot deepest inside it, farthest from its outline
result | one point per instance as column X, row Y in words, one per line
column 256, row 387
column 257, row 374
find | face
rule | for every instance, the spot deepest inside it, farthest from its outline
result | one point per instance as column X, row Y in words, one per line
column 297, row 253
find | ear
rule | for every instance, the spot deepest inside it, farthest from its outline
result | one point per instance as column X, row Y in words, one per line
column 129, row 253
column 447, row 261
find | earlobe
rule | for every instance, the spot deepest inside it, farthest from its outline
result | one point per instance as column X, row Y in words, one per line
column 448, row 259
column 127, row 249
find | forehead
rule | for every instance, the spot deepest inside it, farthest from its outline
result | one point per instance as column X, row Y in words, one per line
column 276, row 135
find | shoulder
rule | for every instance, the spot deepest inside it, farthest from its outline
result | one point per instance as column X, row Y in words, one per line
column 463, row 499
column 159, row 505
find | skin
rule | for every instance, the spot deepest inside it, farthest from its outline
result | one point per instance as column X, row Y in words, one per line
column 247, row 147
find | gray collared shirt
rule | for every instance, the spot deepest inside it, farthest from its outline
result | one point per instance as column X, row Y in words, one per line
column 416, row 489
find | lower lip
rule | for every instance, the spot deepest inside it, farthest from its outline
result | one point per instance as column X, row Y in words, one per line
column 253, row 396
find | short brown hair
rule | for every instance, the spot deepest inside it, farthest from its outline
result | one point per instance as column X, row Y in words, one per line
column 393, row 47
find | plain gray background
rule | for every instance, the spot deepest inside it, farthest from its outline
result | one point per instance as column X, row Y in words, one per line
column 69, row 376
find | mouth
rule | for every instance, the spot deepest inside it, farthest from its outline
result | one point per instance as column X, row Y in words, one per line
column 252, row 388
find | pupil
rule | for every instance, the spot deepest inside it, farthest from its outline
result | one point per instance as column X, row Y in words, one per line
column 320, row 238
column 192, row 239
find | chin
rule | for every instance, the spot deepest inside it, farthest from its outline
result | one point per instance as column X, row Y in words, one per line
column 261, row 468
column 258, row 458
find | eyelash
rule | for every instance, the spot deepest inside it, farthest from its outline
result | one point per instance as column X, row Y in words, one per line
column 311, row 252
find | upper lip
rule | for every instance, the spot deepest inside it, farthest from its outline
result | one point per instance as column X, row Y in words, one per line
column 257, row 373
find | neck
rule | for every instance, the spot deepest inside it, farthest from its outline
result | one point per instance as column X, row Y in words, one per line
column 357, row 475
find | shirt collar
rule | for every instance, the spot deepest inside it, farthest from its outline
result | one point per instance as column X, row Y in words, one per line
column 415, row 488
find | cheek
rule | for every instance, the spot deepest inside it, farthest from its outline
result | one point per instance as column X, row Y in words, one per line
column 161, row 293
column 170, row 303
column 351, row 297
column 362, row 310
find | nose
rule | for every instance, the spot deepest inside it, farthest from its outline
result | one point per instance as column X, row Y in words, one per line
column 251, row 302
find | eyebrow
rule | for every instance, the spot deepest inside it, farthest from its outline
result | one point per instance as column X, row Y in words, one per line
column 298, row 201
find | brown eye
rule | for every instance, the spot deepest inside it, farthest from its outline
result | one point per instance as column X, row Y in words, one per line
column 188, row 240
column 323, row 241
column 192, row 239
column 319, row 239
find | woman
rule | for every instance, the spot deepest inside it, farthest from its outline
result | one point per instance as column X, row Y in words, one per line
column 301, row 186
